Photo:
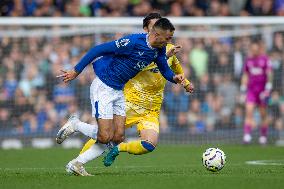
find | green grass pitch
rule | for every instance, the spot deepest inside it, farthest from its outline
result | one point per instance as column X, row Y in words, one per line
column 174, row 166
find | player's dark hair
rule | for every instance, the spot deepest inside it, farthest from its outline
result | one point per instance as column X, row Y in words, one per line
column 149, row 17
column 164, row 24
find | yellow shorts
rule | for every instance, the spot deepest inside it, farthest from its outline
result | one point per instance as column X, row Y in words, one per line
column 143, row 118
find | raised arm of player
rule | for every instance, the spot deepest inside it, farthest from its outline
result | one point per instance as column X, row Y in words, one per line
column 88, row 58
column 100, row 50
column 165, row 69
column 177, row 68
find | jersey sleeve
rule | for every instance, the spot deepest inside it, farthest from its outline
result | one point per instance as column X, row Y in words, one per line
column 177, row 68
column 119, row 46
column 163, row 66
column 245, row 66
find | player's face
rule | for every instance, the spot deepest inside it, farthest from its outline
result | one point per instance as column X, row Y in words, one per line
column 161, row 37
column 255, row 49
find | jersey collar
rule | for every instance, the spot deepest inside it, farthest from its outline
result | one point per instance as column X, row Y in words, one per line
column 147, row 41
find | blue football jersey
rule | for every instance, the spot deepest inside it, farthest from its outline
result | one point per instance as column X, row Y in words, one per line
column 120, row 60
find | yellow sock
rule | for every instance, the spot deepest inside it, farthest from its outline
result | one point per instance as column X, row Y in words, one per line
column 88, row 145
column 137, row 147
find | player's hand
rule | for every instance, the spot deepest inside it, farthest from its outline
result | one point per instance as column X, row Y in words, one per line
column 68, row 75
column 242, row 96
column 189, row 88
column 179, row 78
column 173, row 51
column 264, row 96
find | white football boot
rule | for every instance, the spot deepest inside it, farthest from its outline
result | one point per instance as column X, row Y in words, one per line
column 67, row 129
column 76, row 168
column 247, row 139
column 262, row 140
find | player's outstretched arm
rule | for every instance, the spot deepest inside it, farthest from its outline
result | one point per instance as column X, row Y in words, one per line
column 189, row 87
column 165, row 70
column 93, row 53
column 177, row 68
column 68, row 75
column 179, row 78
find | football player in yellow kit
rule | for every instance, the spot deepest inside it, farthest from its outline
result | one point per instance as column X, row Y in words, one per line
column 143, row 104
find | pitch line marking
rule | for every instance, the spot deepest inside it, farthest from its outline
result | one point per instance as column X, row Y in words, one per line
column 266, row 162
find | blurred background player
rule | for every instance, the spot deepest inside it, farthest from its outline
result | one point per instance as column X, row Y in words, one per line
column 143, row 103
column 257, row 84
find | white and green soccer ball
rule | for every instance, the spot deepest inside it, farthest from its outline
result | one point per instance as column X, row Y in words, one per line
column 213, row 159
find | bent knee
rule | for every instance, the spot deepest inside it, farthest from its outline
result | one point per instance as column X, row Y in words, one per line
column 148, row 145
column 118, row 138
column 104, row 139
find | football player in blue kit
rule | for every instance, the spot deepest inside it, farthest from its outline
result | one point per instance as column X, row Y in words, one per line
column 115, row 63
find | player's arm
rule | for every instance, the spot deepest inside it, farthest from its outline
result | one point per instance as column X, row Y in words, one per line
column 268, row 85
column 165, row 69
column 89, row 57
column 177, row 68
column 264, row 95
column 244, row 79
column 244, row 82
column 112, row 47
column 95, row 52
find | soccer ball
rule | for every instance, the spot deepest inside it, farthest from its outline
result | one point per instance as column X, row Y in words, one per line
column 213, row 159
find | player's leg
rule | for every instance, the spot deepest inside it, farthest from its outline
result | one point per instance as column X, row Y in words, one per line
column 93, row 150
column 119, row 118
column 87, row 145
column 264, row 125
column 76, row 166
column 75, row 125
column 148, row 128
column 248, row 122
column 119, row 125
column 147, row 143
column 102, row 109
column 119, row 128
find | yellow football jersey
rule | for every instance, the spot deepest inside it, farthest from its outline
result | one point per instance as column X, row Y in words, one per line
column 146, row 88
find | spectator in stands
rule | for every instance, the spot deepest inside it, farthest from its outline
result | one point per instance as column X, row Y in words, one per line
column 198, row 58
column 77, row 8
column 175, row 102
column 22, row 87
column 63, row 95
column 195, row 118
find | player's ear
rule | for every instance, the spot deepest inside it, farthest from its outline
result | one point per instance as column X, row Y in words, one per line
column 146, row 29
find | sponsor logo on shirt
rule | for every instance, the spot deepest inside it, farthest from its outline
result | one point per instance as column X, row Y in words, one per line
column 122, row 43
column 141, row 65
column 256, row 71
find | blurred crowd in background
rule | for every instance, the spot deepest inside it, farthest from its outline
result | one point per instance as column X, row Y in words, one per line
column 141, row 7
column 33, row 101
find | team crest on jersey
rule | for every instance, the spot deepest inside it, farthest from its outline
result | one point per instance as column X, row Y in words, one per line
column 122, row 42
